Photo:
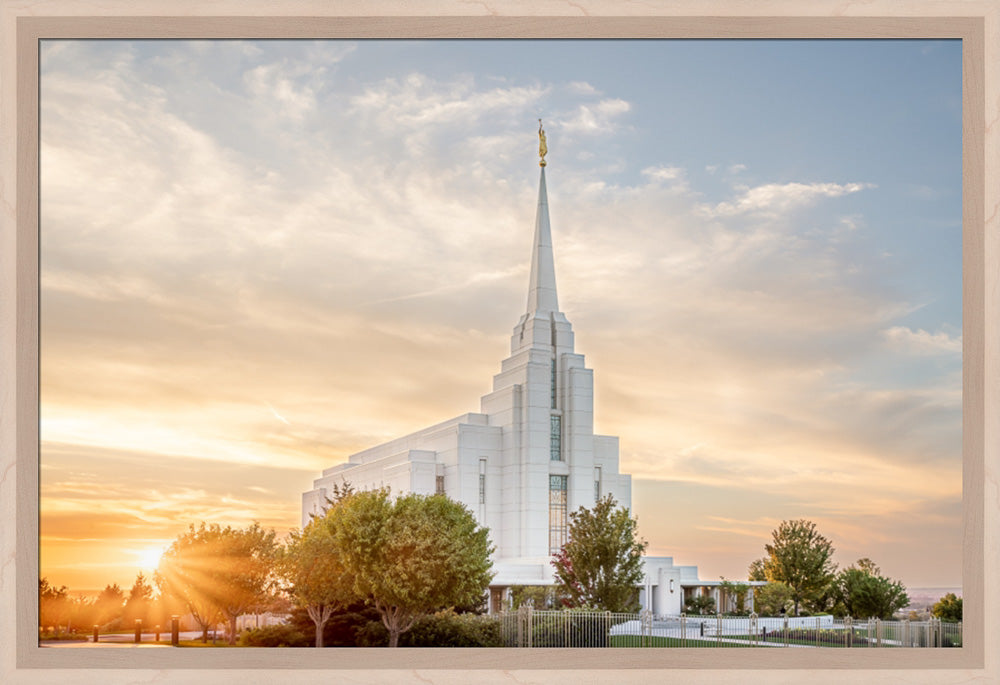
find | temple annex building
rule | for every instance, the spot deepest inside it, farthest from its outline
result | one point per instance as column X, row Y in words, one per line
column 528, row 458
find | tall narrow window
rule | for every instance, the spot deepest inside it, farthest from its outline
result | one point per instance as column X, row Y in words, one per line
column 553, row 383
column 439, row 485
column 482, row 481
column 555, row 438
column 597, row 483
column 557, row 513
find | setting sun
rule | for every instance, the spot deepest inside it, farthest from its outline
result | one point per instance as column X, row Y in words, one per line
column 148, row 558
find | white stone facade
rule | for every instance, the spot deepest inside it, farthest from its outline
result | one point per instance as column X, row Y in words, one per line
column 527, row 459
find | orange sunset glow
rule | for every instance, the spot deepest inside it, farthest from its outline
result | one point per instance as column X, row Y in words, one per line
column 260, row 258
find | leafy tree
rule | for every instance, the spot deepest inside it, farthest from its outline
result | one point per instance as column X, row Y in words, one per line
column 410, row 556
column 700, row 605
column 948, row 608
column 109, row 605
column 770, row 599
column 311, row 563
column 53, row 604
column 140, row 599
column 801, row 558
column 738, row 592
column 218, row 572
column 600, row 565
column 343, row 626
column 540, row 596
column 757, row 569
column 863, row 592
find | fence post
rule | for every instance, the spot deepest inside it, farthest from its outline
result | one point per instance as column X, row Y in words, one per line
column 785, row 630
column 683, row 630
column 96, row 631
column 906, row 641
column 174, row 630
column 878, row 632
column 138, row 630
column 752, row 636
column 521, row 617
column 531, row 626
column 848, row 631
column 647, row 628
column 718, row 629
column 818, row 624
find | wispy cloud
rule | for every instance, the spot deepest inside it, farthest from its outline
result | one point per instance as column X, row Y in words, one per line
column 595, row 119
column 921, row 342
column 224, row 223
column 418, row 100
column 772, row 199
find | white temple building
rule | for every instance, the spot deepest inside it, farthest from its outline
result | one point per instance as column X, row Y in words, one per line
column 528, row 458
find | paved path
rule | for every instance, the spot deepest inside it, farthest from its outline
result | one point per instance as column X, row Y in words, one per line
column 128, row 640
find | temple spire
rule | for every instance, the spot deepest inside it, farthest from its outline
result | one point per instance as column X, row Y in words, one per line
column 542, row 287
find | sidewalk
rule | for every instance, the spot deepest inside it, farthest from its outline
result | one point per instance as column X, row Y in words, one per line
column 126, row 640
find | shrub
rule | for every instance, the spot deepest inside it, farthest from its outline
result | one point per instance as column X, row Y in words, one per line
column 571, row 629
column 443, row 629
column 342, row 628
column 68, row 637
column 700, row 605
column 283, row 635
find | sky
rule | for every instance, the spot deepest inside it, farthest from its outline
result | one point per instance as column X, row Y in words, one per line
column 258, row 258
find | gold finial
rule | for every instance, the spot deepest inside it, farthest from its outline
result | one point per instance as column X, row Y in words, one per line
column 543, row 149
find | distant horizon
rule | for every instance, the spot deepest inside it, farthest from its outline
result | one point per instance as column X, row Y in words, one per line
column 258, row 258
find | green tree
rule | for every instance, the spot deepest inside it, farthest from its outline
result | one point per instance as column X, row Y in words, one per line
column 219, row 572
column 863, row 592
column 410, row 556
column 600, row 566
column 948, row 608
column 801, row 558
column 757, row 569
column 53, row 604
column 318, row 582
column 700, row 605
column 109, row 604
column 738, row 593
column 138, row 604
column 540, row 596
column 770, row 599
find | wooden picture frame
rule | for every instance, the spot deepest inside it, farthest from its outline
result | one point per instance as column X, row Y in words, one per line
column 976, row 23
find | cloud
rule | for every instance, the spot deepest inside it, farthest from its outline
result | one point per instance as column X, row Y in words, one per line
column 595, row 119
column 672, row 176
column 582, row 88
column 280, row 281
column 293, row 101
column 418, row 100
column 772, row 199
column 920, row 342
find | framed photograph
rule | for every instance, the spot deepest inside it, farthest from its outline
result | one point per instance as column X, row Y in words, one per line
column 245, row 253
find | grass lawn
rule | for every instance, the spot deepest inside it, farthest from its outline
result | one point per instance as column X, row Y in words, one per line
column 199, row 643
column 637, row 641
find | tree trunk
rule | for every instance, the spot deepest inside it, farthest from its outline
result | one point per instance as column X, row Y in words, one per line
column 394, row 638
column 320, row 614
column 204, row 634
column 232, row 629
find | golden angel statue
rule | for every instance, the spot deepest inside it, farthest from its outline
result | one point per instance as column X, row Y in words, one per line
column 543, row 149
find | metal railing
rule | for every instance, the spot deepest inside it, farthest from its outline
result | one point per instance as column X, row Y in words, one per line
column 528, row 627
